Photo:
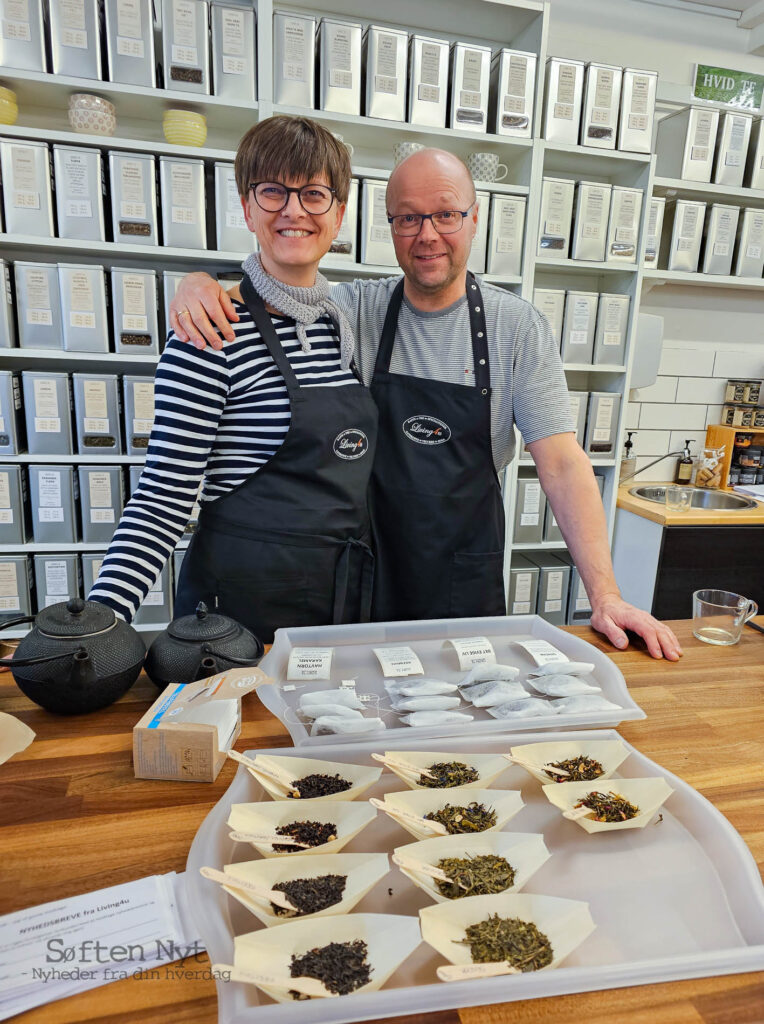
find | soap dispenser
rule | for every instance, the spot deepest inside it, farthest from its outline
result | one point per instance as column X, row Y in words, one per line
column 684, row 466
column 628, row 460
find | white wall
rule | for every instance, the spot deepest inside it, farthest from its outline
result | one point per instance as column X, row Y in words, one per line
column 708, row 335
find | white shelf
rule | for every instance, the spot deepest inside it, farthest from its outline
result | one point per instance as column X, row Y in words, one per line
column 38, row 89
column 585, row 266
column 109, row 253
column 498, row 279
column 112, row 360
column 675, row 188
column 585, row 161
column 140, row 145
column 503, row 188
column 543, row 545
column 40, row 548
column 68, row 460
column 655, row 278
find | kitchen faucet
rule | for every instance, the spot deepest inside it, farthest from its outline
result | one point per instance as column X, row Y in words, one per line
column 631, row 476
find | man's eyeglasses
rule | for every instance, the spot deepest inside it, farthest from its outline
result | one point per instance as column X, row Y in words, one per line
column 445, row 222
column 272, row 196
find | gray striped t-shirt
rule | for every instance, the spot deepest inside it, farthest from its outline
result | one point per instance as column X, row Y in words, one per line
column 527, row 379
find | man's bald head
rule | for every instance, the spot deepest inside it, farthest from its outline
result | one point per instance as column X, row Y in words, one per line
column 437, row 166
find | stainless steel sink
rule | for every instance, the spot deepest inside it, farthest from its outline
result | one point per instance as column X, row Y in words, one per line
column 700, row 498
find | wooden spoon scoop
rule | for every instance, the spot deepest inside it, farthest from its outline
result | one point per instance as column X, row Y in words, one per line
column 412, row 819
column 306, row 986
column 236, row 882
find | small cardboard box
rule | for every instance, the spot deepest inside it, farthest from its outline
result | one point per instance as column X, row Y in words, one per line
column 187, row 731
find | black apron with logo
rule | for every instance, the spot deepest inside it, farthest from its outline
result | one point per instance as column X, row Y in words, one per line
column 290, row 545
column 436, row 505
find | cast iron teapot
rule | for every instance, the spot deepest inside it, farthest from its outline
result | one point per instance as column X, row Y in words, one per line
column 78, row 657
column 200, row 645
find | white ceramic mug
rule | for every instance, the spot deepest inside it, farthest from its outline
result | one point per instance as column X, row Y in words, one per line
column 401, row 150
column 486, row 167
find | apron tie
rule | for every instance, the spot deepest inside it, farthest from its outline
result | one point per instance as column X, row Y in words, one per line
column 342, row 581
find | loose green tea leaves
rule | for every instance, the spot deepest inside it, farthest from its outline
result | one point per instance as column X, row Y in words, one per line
column 508, row 938
column 472, row 818
column 475, row 876
column 312, row 832
column 320, row 785
column 448, row 774
column 341, row 966
column 609, row 806
column 310, row 895
column 579, row 769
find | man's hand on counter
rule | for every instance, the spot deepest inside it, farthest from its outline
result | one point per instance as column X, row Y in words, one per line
column 612, row 616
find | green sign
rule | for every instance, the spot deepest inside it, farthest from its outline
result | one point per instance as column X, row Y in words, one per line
column 723, row 85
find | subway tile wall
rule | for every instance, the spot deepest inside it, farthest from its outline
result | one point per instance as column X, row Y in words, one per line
column 687, row 396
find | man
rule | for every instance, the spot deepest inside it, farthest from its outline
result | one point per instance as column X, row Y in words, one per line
column 435, row 496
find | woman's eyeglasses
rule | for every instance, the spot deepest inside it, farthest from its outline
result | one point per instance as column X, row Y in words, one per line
column 272, row 196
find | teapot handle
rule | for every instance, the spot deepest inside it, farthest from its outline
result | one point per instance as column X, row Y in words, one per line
column 17, row 622
column 246, row 662
column 39, row 660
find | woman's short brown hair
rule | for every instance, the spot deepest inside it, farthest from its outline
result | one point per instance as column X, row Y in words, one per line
column 285, row 148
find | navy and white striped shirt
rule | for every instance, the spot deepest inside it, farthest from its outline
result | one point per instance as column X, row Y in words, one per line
column 218, row 418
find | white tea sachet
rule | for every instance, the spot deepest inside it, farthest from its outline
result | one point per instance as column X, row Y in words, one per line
column 562, row 686
column 339, row 724
column 568, row 668
column 484, row 673
column 418, row 687
column 345, row 696
column 496, row 691
column 319, row 710
column 435, row 703
column 533, row 707
column 425, row 718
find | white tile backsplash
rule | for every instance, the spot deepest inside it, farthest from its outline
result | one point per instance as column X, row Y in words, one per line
column 700, row 390
column 697, row 439
column 748, row 362
column 681, row 361
column 663, row 390
column 631, row 418
column 672, row 416
column 651, row 442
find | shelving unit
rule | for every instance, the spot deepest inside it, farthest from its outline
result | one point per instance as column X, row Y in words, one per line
column 520, row 24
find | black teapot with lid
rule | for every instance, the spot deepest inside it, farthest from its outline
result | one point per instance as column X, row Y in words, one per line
column 200, row 645
column 78, row 657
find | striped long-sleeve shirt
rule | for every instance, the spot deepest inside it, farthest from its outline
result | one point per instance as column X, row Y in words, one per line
column 218, row 417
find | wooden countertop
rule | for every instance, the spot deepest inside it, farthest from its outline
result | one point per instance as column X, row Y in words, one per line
column 695, row 517
column 74, row 819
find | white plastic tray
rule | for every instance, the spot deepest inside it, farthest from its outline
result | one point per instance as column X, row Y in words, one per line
column 681, row 898
column 355, row 659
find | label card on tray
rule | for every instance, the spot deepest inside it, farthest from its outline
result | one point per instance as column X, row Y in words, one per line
column 310, row 663
column 398, row 661
column 473, row 650
column 541, row 651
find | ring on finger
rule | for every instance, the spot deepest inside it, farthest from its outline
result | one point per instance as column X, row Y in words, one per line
column 184, row 312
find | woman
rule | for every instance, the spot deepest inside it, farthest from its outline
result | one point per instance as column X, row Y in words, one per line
column 277, row 425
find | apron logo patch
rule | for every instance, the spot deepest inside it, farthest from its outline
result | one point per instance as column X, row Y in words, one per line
column 426, row 430
column 351, row 444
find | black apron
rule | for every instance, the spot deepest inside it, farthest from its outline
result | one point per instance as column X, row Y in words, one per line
column 436, row 505
column 290, row 545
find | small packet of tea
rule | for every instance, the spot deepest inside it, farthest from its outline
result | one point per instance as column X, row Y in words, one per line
column 418, row 687
column 340, row 724
column 568, row 668
column 533, row 707
column 345, row 696
column 484, row 673
column 562, row 686
column 498, row 691
column 425, row 718
column 437, row 703
column 584, row 702
column 319, row 710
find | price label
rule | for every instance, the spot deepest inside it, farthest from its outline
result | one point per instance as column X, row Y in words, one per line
column 398, row 661
column 310, row 663
column 541, row 651
column 473, row 650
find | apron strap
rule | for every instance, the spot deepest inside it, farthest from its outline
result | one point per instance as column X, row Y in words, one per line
column 342, row 582
column 387, row 341
column 264, row 324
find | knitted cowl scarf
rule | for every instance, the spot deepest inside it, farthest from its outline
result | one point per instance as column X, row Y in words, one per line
column 303, row 305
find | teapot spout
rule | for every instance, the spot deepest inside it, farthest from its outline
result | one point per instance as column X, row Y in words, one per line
column 82, row 673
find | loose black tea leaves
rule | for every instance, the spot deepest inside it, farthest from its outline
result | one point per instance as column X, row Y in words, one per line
column 447, row 774
column 508, row 938
column 579, row 769
column 310, row 895
column 475, row 876
column 472, row 818
column 609, row 806
column 312, row 832
column 320, row 785
column 341, row 966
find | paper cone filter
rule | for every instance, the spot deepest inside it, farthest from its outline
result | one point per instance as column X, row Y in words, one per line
column 610, row 753
column 647, row 794
column 506, row 803
column 489, row 766
column 265, row 817
column 525, row 851
column 363, row 871
column 566, row 923
column 298, row 767
column 390, row 939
